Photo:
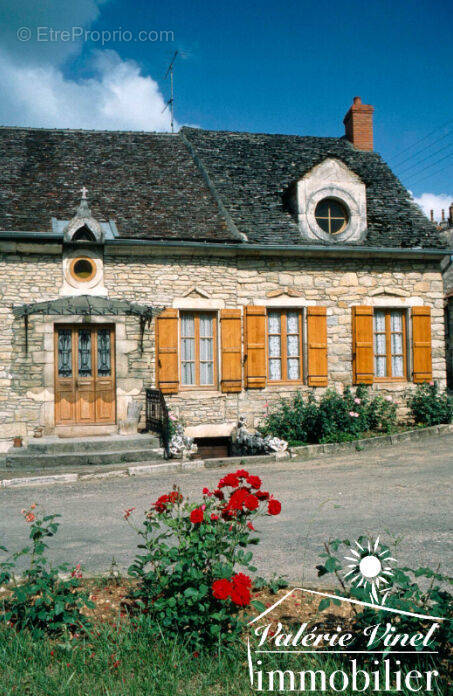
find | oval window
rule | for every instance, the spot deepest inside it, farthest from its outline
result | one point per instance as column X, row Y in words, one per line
column 331, row 215
column 83, row 269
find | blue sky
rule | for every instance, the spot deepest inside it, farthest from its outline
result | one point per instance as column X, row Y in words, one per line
column 290, row 67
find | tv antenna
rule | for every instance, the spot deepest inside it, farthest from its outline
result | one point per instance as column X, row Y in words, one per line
column 171, row 102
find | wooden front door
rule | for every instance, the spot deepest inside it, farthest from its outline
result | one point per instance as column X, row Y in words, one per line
column 84, row 374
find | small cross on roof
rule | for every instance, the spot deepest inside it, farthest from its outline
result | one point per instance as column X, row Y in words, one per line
column 84, row 192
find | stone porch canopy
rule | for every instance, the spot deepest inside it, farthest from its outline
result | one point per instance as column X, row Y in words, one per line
column 88, row 305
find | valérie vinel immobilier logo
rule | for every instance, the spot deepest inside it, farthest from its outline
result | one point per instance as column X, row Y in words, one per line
column 362, row 647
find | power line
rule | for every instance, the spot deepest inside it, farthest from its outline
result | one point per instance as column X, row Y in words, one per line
column 436, row 130
column 415, row 165
column 416, row 181
column 423, row 149
column 428, row 166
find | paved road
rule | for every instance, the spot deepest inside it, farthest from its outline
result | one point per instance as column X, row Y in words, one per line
column 405, row 490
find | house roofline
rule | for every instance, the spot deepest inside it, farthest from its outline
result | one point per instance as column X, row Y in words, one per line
column 238, row 248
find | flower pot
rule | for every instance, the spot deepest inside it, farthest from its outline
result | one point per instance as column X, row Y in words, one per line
column 17, row 442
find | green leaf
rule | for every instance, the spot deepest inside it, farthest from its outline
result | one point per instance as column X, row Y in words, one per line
column 324, row 604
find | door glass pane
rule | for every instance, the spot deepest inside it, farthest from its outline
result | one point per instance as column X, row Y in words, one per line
column 64, row 353
column 188, row 349
column 84, row 352
column 104, row 353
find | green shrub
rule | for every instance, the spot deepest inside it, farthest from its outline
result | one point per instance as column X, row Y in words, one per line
column 428, row 406
column 41, row 601
column 188, row 582
column 399, row 590
column 334, row 418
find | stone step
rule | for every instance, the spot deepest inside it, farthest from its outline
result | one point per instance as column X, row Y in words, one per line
column 116, row 443
column 32, row 460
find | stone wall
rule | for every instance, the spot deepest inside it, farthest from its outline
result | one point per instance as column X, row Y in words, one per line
column 26, row 382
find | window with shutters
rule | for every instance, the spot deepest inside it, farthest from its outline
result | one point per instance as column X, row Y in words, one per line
column 389, row 334
column 198, row 350
column 284, row 345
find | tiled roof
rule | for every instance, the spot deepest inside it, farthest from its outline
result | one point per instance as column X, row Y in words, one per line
column 251, row 171
column 148, row 183
column 197, row 185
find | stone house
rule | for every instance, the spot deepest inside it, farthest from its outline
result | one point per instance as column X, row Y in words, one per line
column 277, row 263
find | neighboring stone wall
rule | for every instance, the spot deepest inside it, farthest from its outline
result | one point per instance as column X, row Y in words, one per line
column 26, row 382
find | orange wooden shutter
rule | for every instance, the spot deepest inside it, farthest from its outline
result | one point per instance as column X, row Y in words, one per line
column 317, row 346
column 255, row 318
column 167, row 351
column 421, row 344
column 362, row 341
column 231, row 350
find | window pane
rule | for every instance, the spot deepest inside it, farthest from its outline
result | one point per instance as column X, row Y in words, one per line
column 380, row 366
column 293, row 346
column 293, row 368
column 379, row 321
column 188, row 349
column 275, row 369
column 64, row 353
column 379, row 344
column 396, row 321
column 397, row 366
column 397, row 344
column 206, row 324
column 274, row 323
column 206, row 373
column 292, row 323
column 274, row 346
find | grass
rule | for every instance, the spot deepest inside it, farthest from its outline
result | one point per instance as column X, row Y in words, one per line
column 121, row 660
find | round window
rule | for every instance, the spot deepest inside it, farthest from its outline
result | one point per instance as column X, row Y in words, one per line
column 331, row 215
column 83, row 269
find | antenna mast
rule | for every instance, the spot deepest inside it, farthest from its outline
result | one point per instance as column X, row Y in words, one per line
column 171, row 102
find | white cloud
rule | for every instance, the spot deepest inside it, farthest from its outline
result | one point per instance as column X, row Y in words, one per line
column 118, row 97
column 35, row 91
column 436, row 202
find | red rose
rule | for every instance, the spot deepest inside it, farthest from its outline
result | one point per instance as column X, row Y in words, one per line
column 251, row 502
column 262, row 495
column 174, row 497
column 274, row 507
column 242, row 473
column 254, row 481
column 250, row 526
column 206, row 491
column 238, row 498
column 229, row 480
column 219, row 494
column 240, row 595
column 241, row 580
column 221, row 589
column 214, row 517
column 197, row 516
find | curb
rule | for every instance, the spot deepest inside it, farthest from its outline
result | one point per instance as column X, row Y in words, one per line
column 302, row 453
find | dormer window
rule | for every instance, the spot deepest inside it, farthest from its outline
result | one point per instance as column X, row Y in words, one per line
column 330, row 203
column 83, row 235
column 331, row 215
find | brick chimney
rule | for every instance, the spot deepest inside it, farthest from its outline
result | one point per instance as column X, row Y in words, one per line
column 358, row 124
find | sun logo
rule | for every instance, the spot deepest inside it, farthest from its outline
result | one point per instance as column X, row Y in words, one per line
column 370, row 569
